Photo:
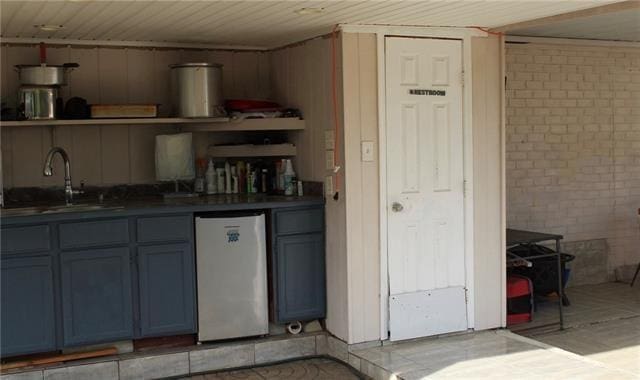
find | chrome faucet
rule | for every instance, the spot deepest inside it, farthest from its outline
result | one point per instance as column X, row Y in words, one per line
column 48, row 171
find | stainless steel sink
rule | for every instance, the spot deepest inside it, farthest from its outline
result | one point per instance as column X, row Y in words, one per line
column 56, row 209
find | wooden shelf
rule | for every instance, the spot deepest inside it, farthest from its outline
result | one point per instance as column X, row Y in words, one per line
column 115, row 121
column 220, row 124
column 274, row 124
column 248, row 150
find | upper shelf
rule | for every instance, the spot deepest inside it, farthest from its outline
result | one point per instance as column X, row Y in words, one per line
column 188, row 125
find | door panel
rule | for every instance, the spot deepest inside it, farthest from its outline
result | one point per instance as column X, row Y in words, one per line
column 167, row 296
column 425, row 183
column 96, row 295
column 300, row 277
column 28, row 319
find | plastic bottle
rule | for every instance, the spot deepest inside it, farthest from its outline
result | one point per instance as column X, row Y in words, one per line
column 210, row 176
column 234, row 179
column 227, row 177
column 199, row 185
column 289, row 174
column 220, row 179
column 247, row 174
column 281, row 183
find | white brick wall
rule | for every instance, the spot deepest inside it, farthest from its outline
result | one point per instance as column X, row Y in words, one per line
column 573, row 144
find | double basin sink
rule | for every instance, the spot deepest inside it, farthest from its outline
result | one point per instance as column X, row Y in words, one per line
column 38, row 210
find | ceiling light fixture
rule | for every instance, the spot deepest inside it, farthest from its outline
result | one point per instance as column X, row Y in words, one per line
column 309, row 11
column 49, row 27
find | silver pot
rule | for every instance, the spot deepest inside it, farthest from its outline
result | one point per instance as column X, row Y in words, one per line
column 44, row 75
column 196, row 90
column 37, row 102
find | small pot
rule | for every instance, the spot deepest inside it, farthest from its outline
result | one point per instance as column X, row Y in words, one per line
column 38, row 102
column 44, row 75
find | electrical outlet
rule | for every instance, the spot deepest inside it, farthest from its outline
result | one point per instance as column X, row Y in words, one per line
column 328, row 186
column 329, row 139
column 367, row 151
column 329, row 159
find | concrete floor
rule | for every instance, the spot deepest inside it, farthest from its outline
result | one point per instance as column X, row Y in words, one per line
column 589, row 304
column 603, row 324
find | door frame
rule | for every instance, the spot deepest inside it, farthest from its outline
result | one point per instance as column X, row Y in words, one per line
column 464, row 35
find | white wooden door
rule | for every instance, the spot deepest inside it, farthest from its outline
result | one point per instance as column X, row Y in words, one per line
column 425, row 188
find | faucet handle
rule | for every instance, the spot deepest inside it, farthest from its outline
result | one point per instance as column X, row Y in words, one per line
column 80, row 190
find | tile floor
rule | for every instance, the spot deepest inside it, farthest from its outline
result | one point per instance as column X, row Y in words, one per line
column 483, row 355
column 314, row 369
column 601, row 341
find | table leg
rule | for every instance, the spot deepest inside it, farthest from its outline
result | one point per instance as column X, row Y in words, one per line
column 560, row 287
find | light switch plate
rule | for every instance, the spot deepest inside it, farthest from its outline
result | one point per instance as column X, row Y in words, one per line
column 328, row 186
column 367, row 151
column 330, row 163
column 329, row 139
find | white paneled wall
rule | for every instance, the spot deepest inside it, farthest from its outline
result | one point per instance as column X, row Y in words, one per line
column 105, row 155
column 301, row 77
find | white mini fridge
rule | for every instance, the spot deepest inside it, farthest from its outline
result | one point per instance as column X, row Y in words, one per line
column 232, row 276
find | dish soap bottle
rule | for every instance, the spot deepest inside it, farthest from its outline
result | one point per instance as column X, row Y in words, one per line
column 210, row 175
column 289, row 175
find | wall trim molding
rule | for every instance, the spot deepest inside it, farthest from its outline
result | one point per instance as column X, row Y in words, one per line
column 134, row 44
column 571, row 41
column 415, row 31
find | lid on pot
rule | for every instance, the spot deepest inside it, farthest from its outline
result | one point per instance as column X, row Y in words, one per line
column 195, row 64
column 64, row 65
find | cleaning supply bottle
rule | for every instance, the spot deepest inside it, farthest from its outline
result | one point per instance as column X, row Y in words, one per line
column 227, row 177
column 200, row 182
column 281, row 170
column 289, row 174
column 210, row 176
column 220, row 180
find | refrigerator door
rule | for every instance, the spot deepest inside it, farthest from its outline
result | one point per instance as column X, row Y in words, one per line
column 232, row 277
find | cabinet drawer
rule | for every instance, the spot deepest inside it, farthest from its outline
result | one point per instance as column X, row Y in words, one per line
column 299, row 221
column 94, row 233
column 165, row 228
column 25, row 239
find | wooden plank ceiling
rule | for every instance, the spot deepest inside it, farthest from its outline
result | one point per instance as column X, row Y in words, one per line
column 255, row 23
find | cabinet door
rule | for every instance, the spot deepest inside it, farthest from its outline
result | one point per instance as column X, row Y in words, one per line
column 167, row 295
column 300, row 277
column 28, row 321
column 96, row 295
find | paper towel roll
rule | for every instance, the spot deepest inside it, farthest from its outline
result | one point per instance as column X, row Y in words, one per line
column 174, row 157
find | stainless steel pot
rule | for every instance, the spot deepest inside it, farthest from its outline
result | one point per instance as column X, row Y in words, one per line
column 44, row 75
column 196, row 90
column 37, row 102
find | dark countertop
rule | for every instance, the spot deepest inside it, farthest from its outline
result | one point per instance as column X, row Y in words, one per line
column 158, row 205
column 515, row 237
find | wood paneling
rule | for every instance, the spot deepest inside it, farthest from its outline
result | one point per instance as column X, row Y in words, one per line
column 362, row 184
column 107, row 155
column 301, row 77
column 488, row 164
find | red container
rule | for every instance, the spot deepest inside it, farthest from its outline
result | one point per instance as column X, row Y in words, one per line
column 519, row 300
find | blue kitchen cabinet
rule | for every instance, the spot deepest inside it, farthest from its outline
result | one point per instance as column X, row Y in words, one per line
column 298, row 264
column 96, row 295
column 301, row 277
column 28, row 314
column 166, row 276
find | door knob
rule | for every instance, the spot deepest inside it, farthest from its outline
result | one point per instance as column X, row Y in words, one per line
column 397, row 207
